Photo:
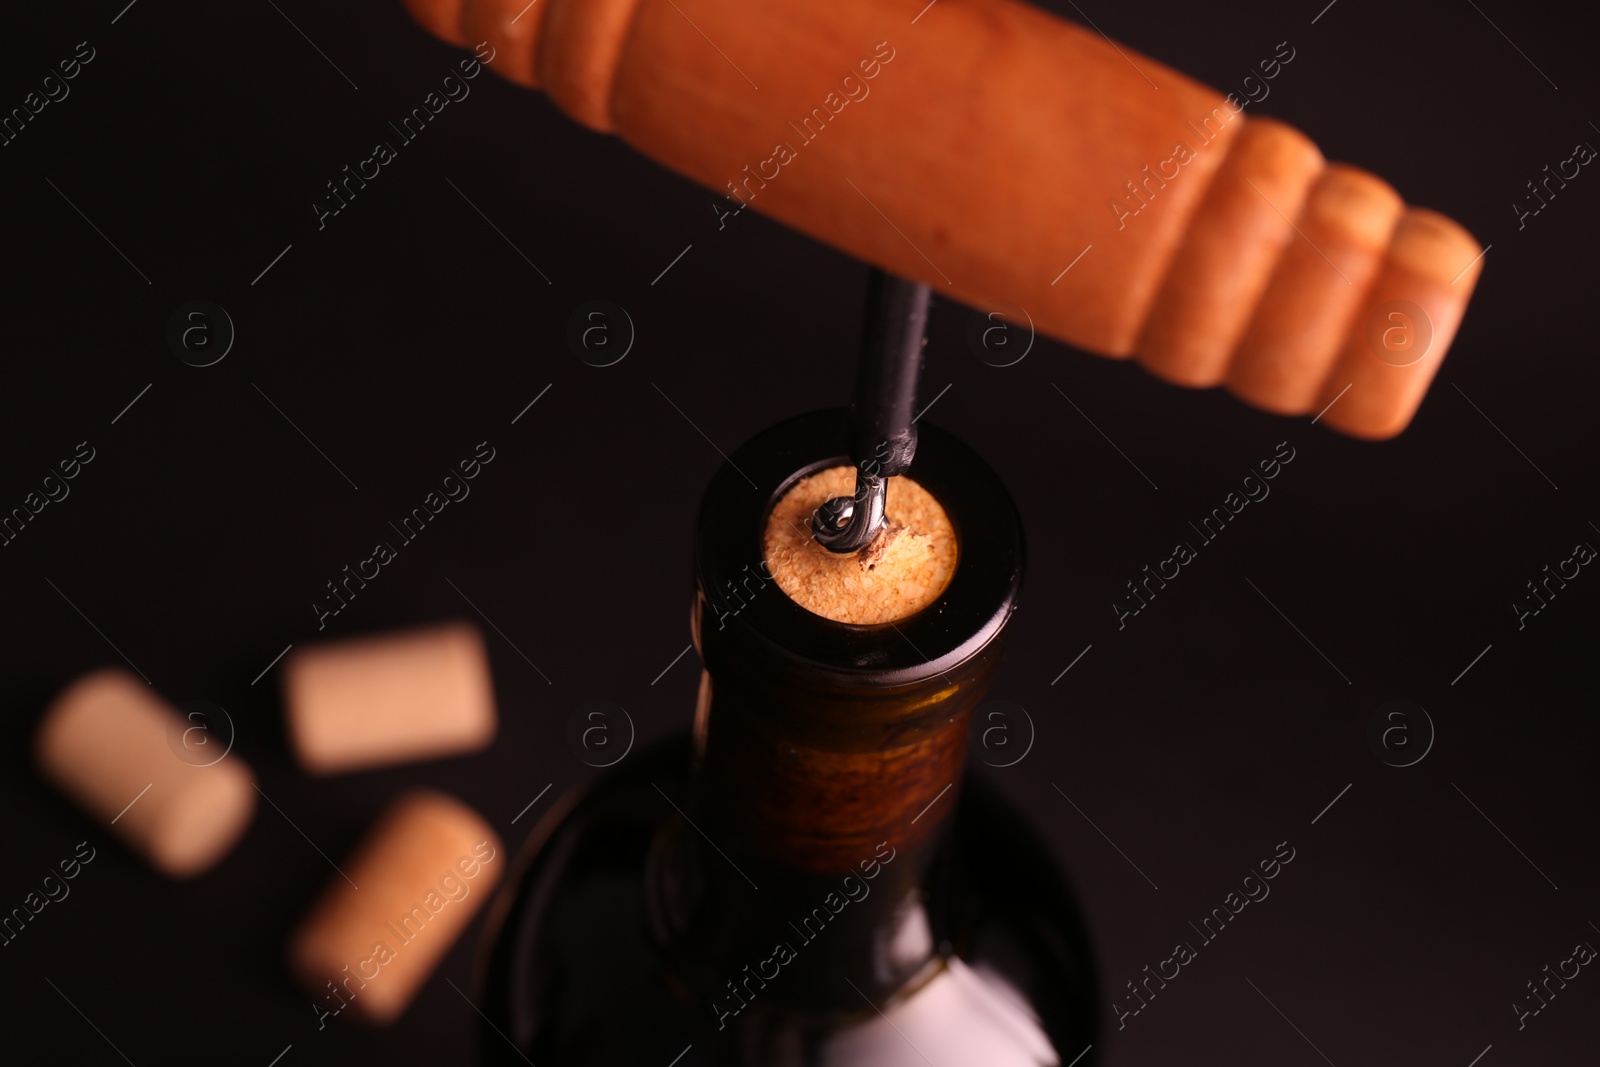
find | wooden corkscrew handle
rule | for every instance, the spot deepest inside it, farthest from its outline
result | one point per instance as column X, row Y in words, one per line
column 1005, row 156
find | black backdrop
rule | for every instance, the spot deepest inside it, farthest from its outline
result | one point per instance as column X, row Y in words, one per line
column 1221, row 721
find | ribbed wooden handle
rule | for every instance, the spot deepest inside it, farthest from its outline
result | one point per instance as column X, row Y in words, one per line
column 1005, row 156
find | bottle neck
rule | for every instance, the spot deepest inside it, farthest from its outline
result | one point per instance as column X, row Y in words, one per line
column 813, row 840
column 804, row 868
column 812, row 780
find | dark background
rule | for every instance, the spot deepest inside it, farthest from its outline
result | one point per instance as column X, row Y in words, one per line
column 408, row 330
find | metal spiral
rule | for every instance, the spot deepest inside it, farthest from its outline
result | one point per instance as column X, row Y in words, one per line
column 841, row 526
column 883, row 430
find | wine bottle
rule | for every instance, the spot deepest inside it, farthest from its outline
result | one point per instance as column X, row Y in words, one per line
column 808, row 878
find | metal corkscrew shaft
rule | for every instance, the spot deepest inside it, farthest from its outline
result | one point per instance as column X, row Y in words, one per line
column 883, row 431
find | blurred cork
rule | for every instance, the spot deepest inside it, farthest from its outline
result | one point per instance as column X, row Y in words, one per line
column 900, row 573
column 397, row 906
column 390, row 698
column 123, row 754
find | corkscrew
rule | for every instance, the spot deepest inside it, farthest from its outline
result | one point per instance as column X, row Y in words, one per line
column 883, row 428
column 1216, row 247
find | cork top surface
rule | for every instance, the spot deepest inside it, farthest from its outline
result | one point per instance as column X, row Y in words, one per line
column 900, row 573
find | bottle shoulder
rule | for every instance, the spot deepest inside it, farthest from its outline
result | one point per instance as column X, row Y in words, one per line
column 576, row 971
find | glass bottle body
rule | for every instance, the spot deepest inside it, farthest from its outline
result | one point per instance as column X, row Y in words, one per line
column 578, row 973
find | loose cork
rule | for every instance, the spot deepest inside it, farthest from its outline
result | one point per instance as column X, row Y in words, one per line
column 125, row 755
column 390, row 698
column 900, row 573
column 397, row 907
